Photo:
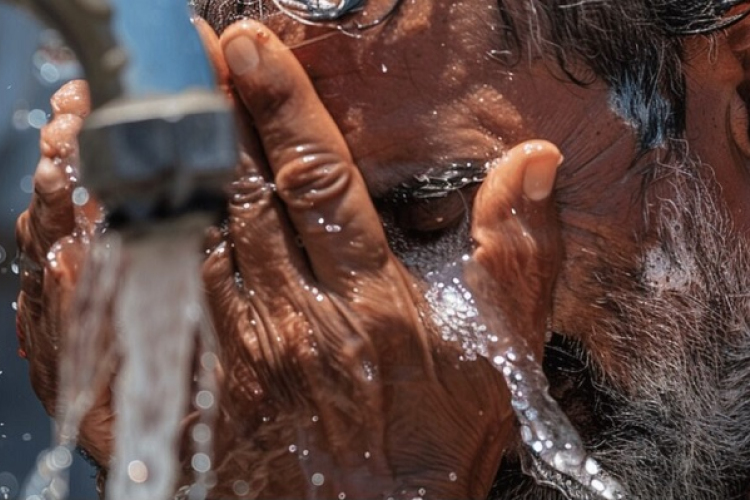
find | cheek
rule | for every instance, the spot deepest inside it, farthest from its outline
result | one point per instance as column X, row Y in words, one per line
column 710, row 140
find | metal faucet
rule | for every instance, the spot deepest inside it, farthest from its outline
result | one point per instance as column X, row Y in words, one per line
column 160, row 140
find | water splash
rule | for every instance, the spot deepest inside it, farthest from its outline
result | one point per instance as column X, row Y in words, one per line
column 461, row 316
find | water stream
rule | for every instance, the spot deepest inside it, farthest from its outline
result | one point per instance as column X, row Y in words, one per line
column 481, row 330
column 160, row 328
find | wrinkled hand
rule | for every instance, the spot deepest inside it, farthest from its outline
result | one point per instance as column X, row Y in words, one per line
column 335, row 379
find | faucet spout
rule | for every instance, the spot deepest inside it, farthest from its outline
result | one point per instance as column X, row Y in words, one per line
column 160, row 140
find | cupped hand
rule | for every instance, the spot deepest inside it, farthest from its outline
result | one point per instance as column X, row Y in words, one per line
column 336, row 382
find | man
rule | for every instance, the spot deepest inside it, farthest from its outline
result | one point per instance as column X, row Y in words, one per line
column 328, row 346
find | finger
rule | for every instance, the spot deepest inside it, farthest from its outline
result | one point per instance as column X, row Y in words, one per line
column 261, row 235
column 220, row 282
column 519, row 248
column 72, row 98
column 324, row 194
column 59, row 137
column 515, row 202
column 213, row 50
column 50, row 214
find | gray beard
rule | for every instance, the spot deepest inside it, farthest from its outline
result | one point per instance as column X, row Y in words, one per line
column 679, row 427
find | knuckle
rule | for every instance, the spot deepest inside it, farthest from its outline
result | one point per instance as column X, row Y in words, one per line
column 250, row 192
column 314, row 178
column 72, row 98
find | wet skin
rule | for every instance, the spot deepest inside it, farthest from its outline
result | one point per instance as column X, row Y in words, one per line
column 335, row 123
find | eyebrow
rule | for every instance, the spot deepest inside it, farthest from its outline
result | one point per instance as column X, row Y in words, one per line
column 439, row 182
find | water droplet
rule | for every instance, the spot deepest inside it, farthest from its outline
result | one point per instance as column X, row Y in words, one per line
column 14, row 305
column 318, row 479
column 8, row 485
column 201, row 462
column 240, row 488
column 315, row 418
column 384, row 68
column 537, row 446
column 14, row 268
column 137, row 471
column 367, row 455
column 498, row 360
column 342, row 496
column 204, row 399
column 591, row 466
column 333, row 228
column 27, row 184
column 305, row 453
column 597, row 485
column 37, row 118
column 292, row 448
column 422, row 491
column 453, row 477
column 80, row 196
column 26, row 436
column 201, row 433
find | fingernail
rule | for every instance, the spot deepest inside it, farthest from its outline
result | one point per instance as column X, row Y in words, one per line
column 241, row 55
column 539, row 177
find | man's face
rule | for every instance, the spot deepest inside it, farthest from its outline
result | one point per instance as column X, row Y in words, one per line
column 650, row 316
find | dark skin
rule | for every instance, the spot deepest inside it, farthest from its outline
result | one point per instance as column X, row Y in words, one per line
column 362, row 130
column 294, row 350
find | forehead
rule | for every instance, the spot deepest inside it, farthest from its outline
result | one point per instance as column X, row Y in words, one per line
column 415, row 92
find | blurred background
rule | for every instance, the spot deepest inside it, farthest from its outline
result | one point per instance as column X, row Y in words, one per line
column 33, row 64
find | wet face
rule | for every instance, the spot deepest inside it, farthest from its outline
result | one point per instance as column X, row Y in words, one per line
column 650, row 318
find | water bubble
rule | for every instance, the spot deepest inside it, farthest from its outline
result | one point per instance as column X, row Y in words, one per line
column 537, row 446
column 498, row 360
column 37, row 118
column 27, row 184
column 26, row 436
column 60, row 458
column 201, row 433
column 240, row 488
column 8, row 485
column 201, row 462
column 204, row 399
column 209, row 361
column 318, row 479
column 342, row 496
column 137, row 471
column 80, row 196
column 21, row 119
column 422, row 492
column 591, row 466
column 333, row 228
column 453, row 477
column 597, row 485
column 305, row 453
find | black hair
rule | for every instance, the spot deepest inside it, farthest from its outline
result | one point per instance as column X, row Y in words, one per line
column 634, row 46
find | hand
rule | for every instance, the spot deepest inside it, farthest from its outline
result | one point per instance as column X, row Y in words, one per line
column 334, row 373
